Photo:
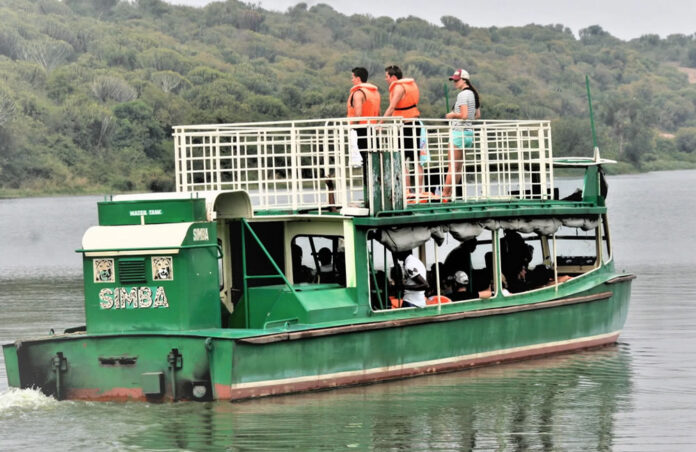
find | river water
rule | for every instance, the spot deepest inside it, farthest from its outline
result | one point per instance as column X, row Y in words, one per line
column 637, row 395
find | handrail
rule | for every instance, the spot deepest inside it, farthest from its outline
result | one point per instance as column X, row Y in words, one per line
column 268, row 256
column 245, row 277
column 291, row 165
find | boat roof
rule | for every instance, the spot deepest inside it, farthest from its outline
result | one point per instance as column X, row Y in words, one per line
column 580, row 162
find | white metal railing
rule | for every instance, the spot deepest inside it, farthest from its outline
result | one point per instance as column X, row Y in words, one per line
column 311, row 164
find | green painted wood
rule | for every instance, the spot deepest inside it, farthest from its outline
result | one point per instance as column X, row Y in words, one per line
column 11, row 365
column 375, row 201
column 388, row 182
column 217, row 358
column 113, row 213
column 425, row 342
column 189, row 299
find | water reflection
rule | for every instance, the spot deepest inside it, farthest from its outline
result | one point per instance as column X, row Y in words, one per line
column 557, row 403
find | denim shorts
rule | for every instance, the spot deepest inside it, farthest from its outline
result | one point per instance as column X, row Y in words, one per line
column 465, row 136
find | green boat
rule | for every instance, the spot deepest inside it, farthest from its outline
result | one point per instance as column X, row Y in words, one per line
column 275, row 267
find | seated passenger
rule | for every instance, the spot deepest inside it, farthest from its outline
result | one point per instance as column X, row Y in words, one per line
column 432, row 279
column 414, row 280
column 340, row 263
column 461, row 287
column 518, row 283
column 300, row 273
column 327, row 273
column 489, row 292
column 514, row 253
column 539, row 276
column 483, row 277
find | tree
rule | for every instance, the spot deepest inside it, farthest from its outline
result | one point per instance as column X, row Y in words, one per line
column 7, row 107
column 169, row 81
column 48, row 53
column 163, row 59
column 10, row 43
column 113, row 88
column 452, row 23
column 155, row 7
column 691, row 57
column 686, row 139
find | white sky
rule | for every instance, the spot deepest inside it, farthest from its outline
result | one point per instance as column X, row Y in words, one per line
column 625, row 19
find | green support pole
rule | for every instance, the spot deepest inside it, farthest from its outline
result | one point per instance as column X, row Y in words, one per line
column 592, row 124
column 591, row 188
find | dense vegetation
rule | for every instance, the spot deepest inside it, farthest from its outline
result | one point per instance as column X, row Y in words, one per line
column 89, row 89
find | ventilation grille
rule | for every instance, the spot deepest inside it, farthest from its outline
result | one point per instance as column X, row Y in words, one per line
column 131, row 270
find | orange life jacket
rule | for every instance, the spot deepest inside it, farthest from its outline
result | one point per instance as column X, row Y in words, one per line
column 408, row 105
column 371, row 104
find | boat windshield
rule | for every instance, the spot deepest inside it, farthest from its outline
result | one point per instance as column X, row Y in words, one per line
column 318, row 259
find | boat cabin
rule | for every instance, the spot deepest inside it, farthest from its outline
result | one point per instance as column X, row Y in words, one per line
column 279, row 225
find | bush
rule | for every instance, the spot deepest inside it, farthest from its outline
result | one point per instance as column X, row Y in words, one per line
column 686, row 139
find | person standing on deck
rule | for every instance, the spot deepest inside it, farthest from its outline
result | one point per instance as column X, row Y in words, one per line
column 363, row 100
column 466, row 108
column 403, row 101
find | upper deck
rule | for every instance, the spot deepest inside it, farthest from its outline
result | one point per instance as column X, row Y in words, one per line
column 310, row 165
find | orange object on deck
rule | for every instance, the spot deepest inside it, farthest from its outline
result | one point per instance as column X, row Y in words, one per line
column 438, row 300
column 395, row 302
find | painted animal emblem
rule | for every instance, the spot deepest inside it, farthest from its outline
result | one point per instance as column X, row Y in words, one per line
column 162, row 268
column 104, row 270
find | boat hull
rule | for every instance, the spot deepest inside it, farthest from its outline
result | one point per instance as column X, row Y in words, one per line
column 234, row 364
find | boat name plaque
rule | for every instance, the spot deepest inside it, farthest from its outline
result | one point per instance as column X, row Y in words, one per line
column 140, row 213
column 133, row 298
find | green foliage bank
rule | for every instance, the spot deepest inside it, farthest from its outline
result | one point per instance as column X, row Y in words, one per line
column 90, row 89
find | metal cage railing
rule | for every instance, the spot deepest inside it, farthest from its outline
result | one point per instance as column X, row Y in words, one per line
column 315, row 165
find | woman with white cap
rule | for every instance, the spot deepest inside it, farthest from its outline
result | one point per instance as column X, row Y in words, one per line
column 466, row 108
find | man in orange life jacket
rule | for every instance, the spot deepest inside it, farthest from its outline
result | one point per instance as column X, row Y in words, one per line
column 403, row 101
column 363, row 100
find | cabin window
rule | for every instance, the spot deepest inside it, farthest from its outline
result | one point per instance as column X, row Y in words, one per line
column 318, row 259
column 576, row 250
column 526, row 261
column 381, row 274
column 472, row 258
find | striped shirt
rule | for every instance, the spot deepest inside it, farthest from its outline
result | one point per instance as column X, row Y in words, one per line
column 465, row 99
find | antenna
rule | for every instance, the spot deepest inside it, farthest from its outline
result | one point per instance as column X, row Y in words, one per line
column 594, row 132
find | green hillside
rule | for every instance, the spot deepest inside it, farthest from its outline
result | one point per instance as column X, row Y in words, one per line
column 89, row 90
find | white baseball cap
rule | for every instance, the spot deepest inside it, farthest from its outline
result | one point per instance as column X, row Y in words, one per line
column 459, row 74
column 461, row 278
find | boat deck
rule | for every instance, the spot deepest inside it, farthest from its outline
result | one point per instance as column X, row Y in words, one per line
column 313, row 166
